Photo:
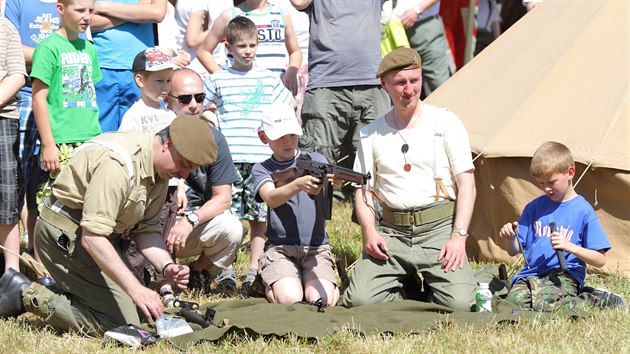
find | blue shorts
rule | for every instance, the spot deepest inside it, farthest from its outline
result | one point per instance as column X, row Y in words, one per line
column 244, row 204
column 115, row 94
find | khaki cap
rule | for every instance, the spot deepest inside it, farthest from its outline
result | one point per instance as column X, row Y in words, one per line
column 399, row 58
column 193, row 139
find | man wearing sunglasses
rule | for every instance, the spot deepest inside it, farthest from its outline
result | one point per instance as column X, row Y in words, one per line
column 208, row 230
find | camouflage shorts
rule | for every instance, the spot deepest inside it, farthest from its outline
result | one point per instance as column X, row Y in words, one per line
column 553, row 291
column 244, row 204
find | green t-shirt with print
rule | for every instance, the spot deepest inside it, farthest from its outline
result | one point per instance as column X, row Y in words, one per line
column 70, row 69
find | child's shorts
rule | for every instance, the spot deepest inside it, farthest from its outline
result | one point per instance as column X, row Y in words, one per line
column 244, row 204
column 10, row 174
column 306, row 263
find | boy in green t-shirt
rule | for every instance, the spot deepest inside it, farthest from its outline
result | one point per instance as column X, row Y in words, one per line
column 64, row 71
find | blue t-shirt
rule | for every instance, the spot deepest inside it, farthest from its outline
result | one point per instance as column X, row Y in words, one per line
column 118, row 46
column 34, row 20
column 299, row 221
column 575, row 219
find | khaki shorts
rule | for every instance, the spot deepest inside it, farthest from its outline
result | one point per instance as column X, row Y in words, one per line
column 306, row 263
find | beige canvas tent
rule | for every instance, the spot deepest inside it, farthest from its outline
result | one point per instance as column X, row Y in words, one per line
column 560, row 73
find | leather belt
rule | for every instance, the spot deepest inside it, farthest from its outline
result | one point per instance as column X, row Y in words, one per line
column 427, row 19
column 418, row 217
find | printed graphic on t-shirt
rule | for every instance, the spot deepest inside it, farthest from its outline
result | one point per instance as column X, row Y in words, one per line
column 545, row 231
column 78, row 88
column 274, row 32
column 254, row 99
column 46, row 23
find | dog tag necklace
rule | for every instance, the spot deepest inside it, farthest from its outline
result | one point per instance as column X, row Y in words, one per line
column 405, row 147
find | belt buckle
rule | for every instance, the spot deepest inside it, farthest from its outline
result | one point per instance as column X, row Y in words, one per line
column 412, row 219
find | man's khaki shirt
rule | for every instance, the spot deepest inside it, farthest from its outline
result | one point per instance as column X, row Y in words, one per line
column 98, row 182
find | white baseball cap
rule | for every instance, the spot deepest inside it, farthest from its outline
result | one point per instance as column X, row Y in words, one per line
column 278, row 120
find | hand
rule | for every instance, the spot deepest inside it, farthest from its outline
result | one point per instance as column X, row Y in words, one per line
column 508, row 231
column 176, row 239
column 336, row 183
column 177, row 274
column 289, row 78
column 148, row 301
column 310, row 184
column 182, row 199
column 559, row 242
column 375, row 246
column 453, row 254
column 50, row 158
column 409, row 18
column 182, row 59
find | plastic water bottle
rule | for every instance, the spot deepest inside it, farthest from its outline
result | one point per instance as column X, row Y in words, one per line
column 484, row 298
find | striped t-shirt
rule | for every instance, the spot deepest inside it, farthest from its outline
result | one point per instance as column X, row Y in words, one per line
column 240, row 97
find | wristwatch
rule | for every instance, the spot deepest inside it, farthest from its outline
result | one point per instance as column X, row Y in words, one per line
column 418, row 11
column 193, row 219
column 460, row 230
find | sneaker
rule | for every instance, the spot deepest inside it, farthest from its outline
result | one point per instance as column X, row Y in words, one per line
column 248, row 280
column 226, row 281
column 167, row 295
column 608, row 299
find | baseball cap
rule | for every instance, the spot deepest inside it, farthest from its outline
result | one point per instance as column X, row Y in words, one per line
column 152, row 59
column 397, row 59
column 279, row 120
column 193, row 139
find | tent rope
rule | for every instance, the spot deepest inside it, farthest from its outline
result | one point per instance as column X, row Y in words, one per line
column 479, row 154
column 584, row 172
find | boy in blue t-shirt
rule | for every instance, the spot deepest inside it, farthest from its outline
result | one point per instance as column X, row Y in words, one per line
column 297, row 264
column 542, row 285
column 240, row 94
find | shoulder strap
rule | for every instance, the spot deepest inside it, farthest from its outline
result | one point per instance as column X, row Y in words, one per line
column 118, row 149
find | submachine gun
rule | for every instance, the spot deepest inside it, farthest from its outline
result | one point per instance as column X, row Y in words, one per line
column 306, row 165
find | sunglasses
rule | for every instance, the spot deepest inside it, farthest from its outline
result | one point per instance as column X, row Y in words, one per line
column 185, row 99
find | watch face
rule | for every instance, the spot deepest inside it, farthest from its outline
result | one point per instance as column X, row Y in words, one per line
column 193, row 218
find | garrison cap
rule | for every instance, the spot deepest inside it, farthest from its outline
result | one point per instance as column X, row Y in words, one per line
column 399, row 58
column 193, row 139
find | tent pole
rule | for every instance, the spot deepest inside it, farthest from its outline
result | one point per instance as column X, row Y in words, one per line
column 470, row 25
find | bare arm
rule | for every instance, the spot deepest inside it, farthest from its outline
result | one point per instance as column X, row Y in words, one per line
column 219, row 203
column 410, row 16
column 42, row 119
column 195, row 32
column 101, row 23
column 274, row 197
column 300, row 4
column 295, row 56
column 590, row 257
column 9, row 86
column 108, row 260
column 152, row 248
column 508, row 232
column 214, row 37
column 373, row 243
column 453, row 254
column 152, row 11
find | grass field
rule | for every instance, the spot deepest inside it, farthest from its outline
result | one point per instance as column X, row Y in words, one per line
column 606, row 331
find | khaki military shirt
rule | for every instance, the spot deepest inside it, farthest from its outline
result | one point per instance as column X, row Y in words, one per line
column 98, row 182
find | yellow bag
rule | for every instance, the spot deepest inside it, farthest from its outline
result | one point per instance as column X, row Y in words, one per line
column 393, row 35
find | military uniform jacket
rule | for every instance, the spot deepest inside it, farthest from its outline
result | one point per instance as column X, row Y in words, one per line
column 112, row 197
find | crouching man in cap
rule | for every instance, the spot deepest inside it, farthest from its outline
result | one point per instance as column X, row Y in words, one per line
column 111, row 191
column 420, row 160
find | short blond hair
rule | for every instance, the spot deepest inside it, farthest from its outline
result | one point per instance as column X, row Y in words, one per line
column 551, row 157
